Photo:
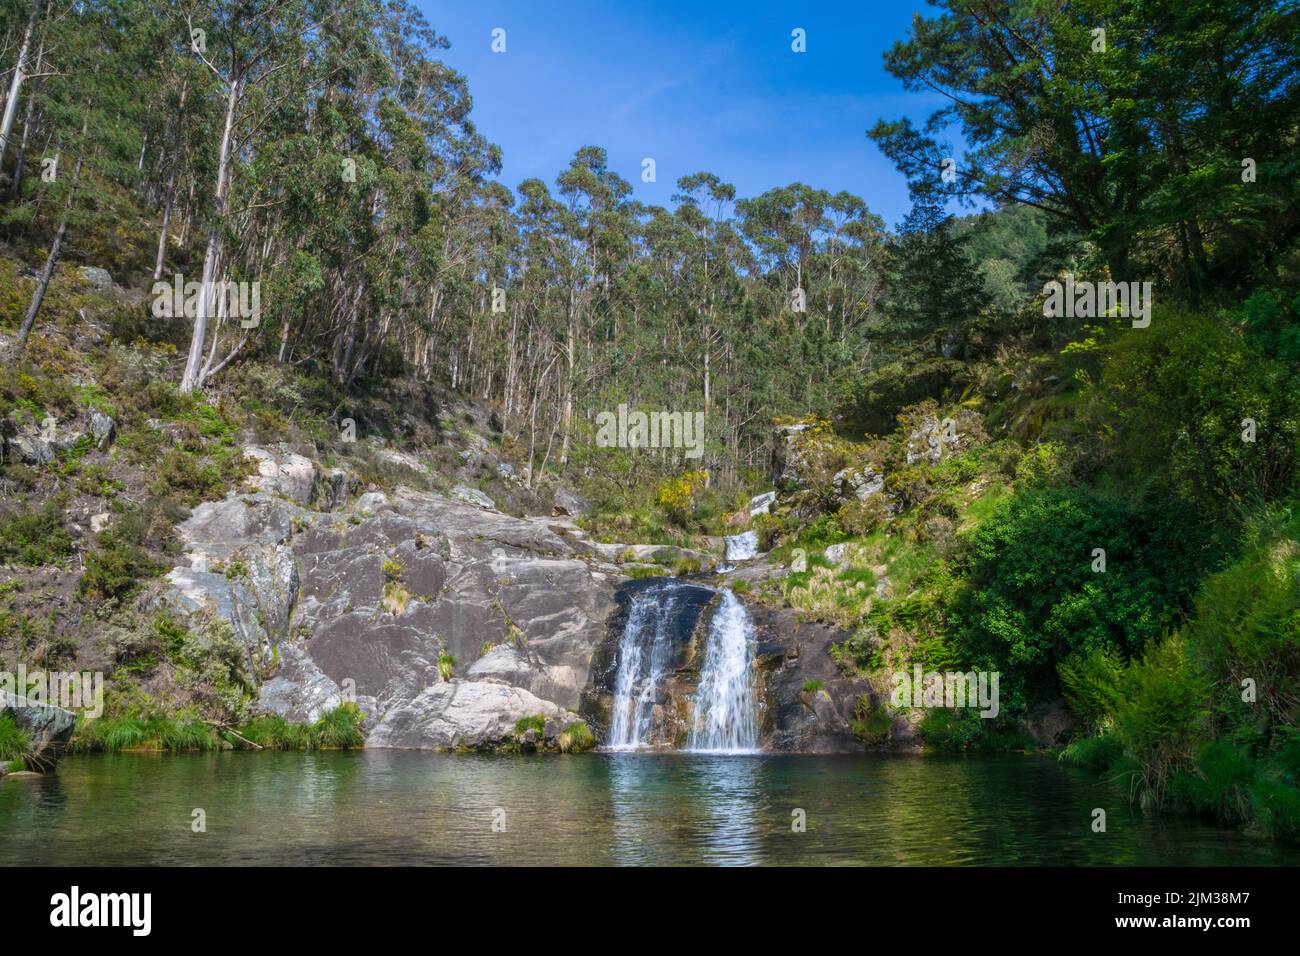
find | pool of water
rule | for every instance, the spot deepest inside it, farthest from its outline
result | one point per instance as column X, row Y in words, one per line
column 404, row 807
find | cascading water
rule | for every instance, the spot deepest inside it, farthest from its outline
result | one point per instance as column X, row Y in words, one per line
column 645, row 652
column 742, row 547
column 724, row 701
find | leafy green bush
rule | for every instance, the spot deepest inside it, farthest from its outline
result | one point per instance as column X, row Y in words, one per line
column 1170, row 407
column 1098, row 754
column 1032, row 598
column 1161, row 715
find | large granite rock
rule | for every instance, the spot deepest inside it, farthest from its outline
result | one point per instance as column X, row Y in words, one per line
column 283, row 472
column 47, row 727
column 462, row 713
column 364, row 605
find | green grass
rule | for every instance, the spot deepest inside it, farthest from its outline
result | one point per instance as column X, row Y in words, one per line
column 14, row 743
column 524, row 724
column 576, row 738
column 340, row 729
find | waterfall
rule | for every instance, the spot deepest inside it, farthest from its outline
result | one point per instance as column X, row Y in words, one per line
column 742, row 547
column 724, row 701
column 644, row 654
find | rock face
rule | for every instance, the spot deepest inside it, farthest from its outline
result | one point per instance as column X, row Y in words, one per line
column 374, row 603
column 25, row 441
column 282, row 472
column 47, row 727
column 807, row 705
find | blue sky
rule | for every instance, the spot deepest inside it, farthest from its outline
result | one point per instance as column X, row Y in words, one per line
column 696, row 85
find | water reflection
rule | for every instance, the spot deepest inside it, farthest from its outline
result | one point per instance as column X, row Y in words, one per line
column 672, row 809
column 402, row 808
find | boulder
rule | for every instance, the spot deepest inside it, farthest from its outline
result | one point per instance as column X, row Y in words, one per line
column 103, row 429
column 858, row 483
column 97, row 278
column 1052, row 724
column 463, row 713
column 47, row 727
column 569, row 502
column 363, row 606
column 284, row 473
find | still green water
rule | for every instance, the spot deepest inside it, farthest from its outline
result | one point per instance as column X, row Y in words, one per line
column 403, row 807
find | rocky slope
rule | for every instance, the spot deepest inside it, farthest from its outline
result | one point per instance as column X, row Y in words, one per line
column 447, row 621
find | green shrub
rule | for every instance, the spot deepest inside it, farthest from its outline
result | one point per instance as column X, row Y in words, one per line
column 1276, row 807
column 1097, row 754
column 1220, row 785
column 869, row 722
column 525, row 724
column 341, row 728
column 1161, row 715
column 1032, row 598
column 34, row 537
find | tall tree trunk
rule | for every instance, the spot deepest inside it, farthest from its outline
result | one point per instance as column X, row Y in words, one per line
column 16, row 85
column 192, row 378
column 169, row 197
column 50, row 261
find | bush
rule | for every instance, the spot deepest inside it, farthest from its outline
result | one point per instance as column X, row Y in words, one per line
column 1033, row 600
column 1170, row 406
column 1097, row 754
column 340, row 728
column 1161, row 714
column 34, row 537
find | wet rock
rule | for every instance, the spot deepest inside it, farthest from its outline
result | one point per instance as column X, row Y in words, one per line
column 1052, row 724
